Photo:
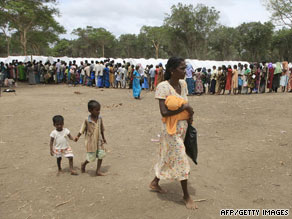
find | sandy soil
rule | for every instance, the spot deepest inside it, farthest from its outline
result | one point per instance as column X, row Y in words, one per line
column 245, row 156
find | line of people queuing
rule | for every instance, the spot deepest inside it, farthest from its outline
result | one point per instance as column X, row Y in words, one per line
column 100, row 74
column 237, row 79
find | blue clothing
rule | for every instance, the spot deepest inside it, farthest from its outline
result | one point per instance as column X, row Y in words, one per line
column 100, row 81
column 189, row 71
column 240, row 81
column 136, row 84
column 152, row 72
column 191, row 87
column 69, row 75
column 106, row 77
column 145, row 83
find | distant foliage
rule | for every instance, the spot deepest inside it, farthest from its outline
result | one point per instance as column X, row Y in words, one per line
column 189, row 31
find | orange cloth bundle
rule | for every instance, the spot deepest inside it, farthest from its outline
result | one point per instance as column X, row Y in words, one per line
column 174, row 103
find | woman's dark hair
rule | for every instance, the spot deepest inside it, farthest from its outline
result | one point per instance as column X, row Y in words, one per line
column 58, row 119
column 171, row 64
column 93, row 104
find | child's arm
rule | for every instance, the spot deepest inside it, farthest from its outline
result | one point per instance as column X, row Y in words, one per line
column 102, row 132
column 82, row 130
column 77, row 137
column 70, row 137
column 51, row 146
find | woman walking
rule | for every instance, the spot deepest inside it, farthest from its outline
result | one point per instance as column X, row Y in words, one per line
column 173, row 163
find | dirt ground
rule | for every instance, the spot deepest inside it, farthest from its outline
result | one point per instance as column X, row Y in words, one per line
column 244, row 162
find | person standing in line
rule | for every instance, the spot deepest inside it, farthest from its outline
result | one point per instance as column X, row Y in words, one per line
column 289, row 86
column 106, row 72
column 284, row 76
column 234, row 83
column 263, row 80
column 271, row 70
column 251, row 78
column 199, row 82
column 213, row 80
column 277, row 75
column 100, row 75
column 152, row 77
column 31, row 75
column 111, row 76
column 245, row 79
column 228, row 79
column 96, row 70
column 87, row 74
column 58, row 70
column 189, row 79
column 119, row 76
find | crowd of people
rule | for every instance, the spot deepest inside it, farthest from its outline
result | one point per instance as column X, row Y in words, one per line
column 237, row 79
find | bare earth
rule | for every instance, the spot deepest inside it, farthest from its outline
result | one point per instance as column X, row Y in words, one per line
column 245, row 156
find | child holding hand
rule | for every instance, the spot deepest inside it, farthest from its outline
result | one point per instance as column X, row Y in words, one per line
column 59, row 145
column 93, row 129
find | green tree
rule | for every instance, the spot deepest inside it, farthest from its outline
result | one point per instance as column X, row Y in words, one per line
column 30, row 15
column 103, row 38
column 81, row 45
column 63, row 47
column 282, row 45
column 6, row 30
column 223, row 42
column 127, row 45
column 281, row 11
column 155, row 35
column 255, row 40
column 192, row 26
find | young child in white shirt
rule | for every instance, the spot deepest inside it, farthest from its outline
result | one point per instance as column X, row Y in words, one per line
column 59, row 145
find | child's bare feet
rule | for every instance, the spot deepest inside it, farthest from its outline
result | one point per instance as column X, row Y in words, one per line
column 190, row 204
column 156, row 187
column 98, row 173
column 74, row 173
column 83, row 167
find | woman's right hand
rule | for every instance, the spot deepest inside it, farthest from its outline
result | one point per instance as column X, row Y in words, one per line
column 189, row 109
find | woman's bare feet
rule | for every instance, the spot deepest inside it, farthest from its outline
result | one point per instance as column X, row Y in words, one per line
column 98, row 173
column 156, row 187
column 83, row 167
column 190, row 204
column 74, row 173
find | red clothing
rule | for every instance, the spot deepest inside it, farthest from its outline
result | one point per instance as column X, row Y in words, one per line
column 270, row 78
column 228, row 79
column 156, row 76
column 289, row 87
column 258, row 73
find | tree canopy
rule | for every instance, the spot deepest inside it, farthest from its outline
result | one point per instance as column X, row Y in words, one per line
column 34, row 17
column 190, row 31
column 281, row 11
